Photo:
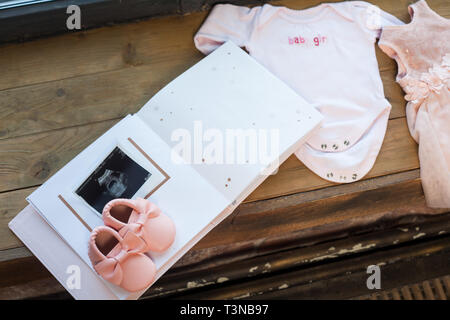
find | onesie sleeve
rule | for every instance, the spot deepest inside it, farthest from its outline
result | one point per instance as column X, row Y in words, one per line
column 226, row 22
column 371, row 18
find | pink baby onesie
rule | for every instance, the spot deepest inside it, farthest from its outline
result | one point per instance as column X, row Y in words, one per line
column 327, row 54
column 422, row 51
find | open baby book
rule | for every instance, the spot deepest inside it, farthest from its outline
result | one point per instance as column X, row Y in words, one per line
column 196, row 149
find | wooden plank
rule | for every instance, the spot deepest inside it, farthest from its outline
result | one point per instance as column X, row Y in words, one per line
column 213, row 272
column 34, row 288
column 398, row 153
column 109, row 95
column 342, row 279
column 30, row 160
column 99, row 50
column 221, row 269
column 123, row 46
column 306, row 215
column 83, row 100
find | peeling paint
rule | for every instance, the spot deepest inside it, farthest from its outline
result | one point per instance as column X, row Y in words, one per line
column 193, row 284
column 243, row 296
column 283, row 286
column 197, row 284
column 253, row 269
column 419, row 235
column 359, row 246
column 355, row 248
column 328, row 256
column 222, row 279
column 267, row 267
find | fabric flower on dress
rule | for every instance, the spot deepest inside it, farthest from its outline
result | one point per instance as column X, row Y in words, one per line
column 434, row 80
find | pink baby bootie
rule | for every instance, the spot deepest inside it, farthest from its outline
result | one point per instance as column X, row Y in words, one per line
column 142, row 218
column 120, row 260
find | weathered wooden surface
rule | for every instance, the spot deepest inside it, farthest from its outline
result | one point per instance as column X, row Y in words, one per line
column 258, row 274
column 59, row 94
column 342, row 279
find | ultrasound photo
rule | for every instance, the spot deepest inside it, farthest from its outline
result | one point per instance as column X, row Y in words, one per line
column 118, row 176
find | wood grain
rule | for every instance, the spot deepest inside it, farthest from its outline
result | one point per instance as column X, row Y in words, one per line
column 30, row 160
column 123, row 46
column 109, row 95
column 99, row 50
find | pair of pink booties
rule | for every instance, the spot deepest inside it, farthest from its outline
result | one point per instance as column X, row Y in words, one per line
column 132, row 227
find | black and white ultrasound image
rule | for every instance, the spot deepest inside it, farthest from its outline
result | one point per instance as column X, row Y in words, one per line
column 118, row 176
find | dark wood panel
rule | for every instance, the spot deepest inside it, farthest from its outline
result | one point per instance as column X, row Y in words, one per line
column 221, row 273
column 343, row 279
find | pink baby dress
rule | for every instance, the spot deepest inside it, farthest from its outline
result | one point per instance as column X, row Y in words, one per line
column 422, row 51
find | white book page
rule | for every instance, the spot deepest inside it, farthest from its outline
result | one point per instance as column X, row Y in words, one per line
column 56, row 255
column 228, row 93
